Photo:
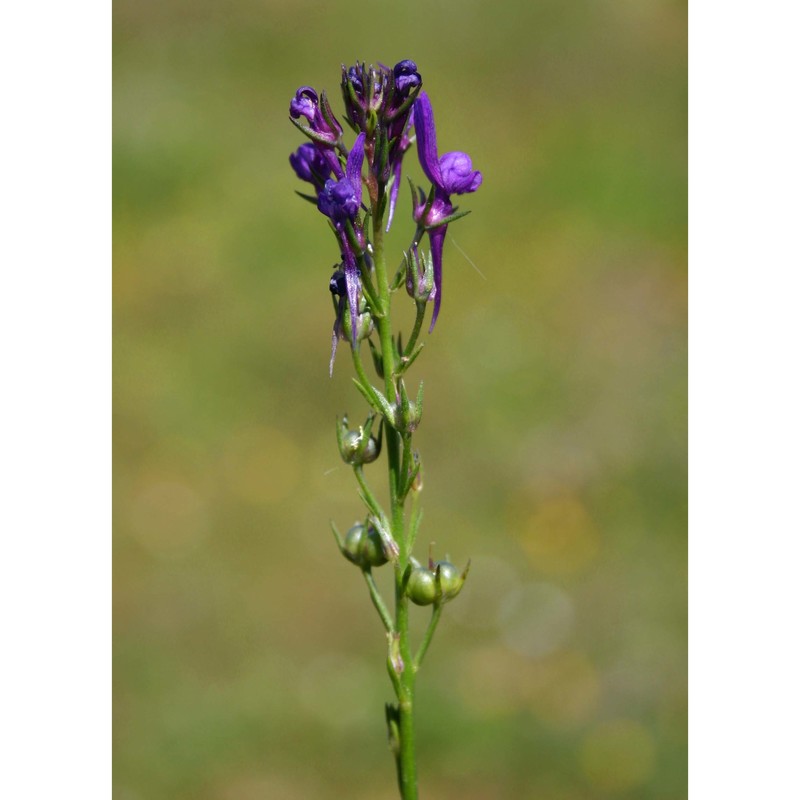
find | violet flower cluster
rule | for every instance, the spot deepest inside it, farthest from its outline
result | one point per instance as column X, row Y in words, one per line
column 387, row 109
column 356, row 189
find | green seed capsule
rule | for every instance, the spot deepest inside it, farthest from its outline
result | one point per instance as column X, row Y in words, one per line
column 363, row 547
column 357, row 447
column 372, row 551
column 450, row 579
column 421, row 586
column 352, row 544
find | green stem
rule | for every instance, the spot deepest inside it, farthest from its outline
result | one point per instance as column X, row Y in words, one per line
column 371, row 502
column 377, row 601
column 406, row 757
column 416, row 516
column 423, row 648
column 362, row 374
column 417, row 328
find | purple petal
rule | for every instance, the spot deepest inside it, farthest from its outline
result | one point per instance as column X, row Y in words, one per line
column 333, row 161
column 458, row 177
column 436, row 238
column 309, row 163
column 398, row 168
column 426, row 138
column 351, row 276
column 338, row 201
column 354, row 163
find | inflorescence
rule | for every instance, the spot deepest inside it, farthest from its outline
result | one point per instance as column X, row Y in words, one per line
column 387, row 109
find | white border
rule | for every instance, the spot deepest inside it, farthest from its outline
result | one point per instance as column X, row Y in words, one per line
column 745, row 401
column 55, row 252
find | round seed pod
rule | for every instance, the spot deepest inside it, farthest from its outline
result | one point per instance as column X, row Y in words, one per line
column 421, row 586
column 356, row 448
column 363, row 546
column 450, row 579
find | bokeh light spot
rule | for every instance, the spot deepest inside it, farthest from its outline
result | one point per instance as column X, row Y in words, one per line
column 536, row 619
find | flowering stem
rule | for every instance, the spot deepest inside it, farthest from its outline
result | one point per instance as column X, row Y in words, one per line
column 396, row 448
column 383, row 105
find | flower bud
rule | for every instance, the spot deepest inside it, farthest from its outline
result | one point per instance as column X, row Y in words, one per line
column 406, row 77
column 363, row 546
column 421, row 586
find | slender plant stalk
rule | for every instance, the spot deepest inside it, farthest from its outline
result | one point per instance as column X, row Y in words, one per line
column 383, row 105
column 406, row 762
column 416, row 330
column 426, row 640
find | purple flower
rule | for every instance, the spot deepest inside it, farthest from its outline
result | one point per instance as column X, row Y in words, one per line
column 453, row 173
column 406, row 77
column 304, row 104
column 341, row 201
column 325, row 127
column 457, row 174
column 310, row 165
column 450, row 174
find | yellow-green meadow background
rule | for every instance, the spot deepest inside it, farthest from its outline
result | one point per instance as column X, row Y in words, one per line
column 248, row 661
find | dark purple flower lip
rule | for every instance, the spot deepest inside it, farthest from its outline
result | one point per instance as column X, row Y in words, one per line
column 406, row 77
column 304, row 104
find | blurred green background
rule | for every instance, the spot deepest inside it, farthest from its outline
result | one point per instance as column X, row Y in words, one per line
column 248, row 662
